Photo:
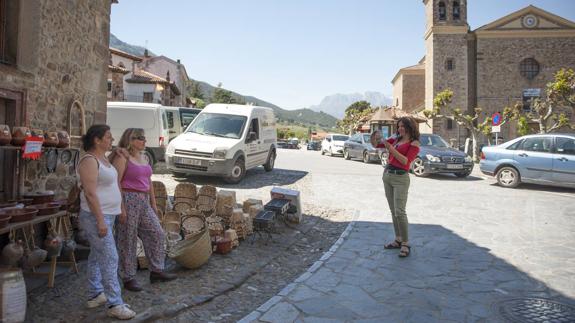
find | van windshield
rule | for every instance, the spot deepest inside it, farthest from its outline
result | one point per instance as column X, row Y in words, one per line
column 218, row 125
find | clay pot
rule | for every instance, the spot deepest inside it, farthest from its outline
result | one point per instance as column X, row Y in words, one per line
column 4, row 219
column 21, row 214
column 51, row 139
column 24, row 201
column 47, row 208
column 53, row 244
column 19, row 135
column 40, row 197
column 12, row 253
column 63, row 139
column 5, row 136
column 33, row 258
column 224, row 246
column 8, row 204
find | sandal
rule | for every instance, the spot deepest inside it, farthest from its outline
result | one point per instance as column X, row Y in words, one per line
column 404, row 253
column 396, row 244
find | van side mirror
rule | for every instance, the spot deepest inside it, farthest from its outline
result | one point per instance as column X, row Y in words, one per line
column 251, row 136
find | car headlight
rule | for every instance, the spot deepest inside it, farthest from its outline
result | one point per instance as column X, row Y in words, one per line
column 171, row 149
column 468, row 159
column 432, row 158
column 220, row 153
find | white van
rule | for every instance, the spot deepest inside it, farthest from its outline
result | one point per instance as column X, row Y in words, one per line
column 179, row 118
column 225, row 140
column 149, row 116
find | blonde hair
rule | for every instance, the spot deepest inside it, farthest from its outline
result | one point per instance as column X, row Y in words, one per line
column 126, row 139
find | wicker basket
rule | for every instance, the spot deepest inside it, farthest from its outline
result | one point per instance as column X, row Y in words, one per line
column 184, row 205
column 194, row 252
column 171, row 226
column 186, row 190
column 142, row 259
column 208, row 190
column 161, row 195
column 192, row 225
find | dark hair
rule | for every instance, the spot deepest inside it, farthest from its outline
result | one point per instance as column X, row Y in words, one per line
column 411, row 127
column 95, row 131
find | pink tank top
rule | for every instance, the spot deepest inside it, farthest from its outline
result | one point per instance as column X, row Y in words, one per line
column 137, row 177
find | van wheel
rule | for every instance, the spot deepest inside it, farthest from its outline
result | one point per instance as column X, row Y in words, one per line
column 238, row 172
column 269, row 165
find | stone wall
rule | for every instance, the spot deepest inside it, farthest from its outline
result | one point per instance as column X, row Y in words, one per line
column 62, row 56
column 413, row 92
column 499, row 82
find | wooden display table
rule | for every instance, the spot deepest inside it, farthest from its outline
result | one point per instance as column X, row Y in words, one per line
column 22, row 226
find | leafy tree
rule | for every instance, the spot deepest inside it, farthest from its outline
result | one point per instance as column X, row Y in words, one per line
column 195, row 90
column 199, row 103
column 222, row 95
column 354, row 116
column 561, row 92
column 544, row 112
column 442, row 107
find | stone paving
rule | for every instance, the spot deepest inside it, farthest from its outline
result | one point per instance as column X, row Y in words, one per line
column 475, row 245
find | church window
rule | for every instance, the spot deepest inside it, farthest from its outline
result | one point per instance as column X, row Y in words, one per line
column 449, row 124
column 456, row 10
column 450, row 64
column 529, row 68
column 120, row 64
column 442, row 11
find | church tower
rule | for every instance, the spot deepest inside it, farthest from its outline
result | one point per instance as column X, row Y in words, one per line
column 449, row 62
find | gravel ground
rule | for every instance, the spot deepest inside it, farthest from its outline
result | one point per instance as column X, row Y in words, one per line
column 228, row 287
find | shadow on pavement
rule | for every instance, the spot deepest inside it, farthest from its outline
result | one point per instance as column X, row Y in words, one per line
column 445, row 279
column 539, row 188
column 255, row 178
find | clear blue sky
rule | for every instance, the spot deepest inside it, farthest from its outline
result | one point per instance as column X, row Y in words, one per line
column 293, row 53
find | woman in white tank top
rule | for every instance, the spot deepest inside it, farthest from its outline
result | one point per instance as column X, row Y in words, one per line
column 100, row 203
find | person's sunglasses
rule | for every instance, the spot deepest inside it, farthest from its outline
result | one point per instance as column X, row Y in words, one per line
column 142, row 138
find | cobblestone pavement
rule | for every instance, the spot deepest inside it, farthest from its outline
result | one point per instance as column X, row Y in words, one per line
column 475, row 246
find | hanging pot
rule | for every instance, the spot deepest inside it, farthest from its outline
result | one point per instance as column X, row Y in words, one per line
column 12, row 253
column 53, row 244
column 19, row 135
column 51, row 139
column 63, row 139
column 34, row 258
column 5, row 136
column 68, row 247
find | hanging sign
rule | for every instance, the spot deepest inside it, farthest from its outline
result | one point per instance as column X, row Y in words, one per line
column 33, row 147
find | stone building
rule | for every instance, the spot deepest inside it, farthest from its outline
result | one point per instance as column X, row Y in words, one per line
column 121, row 63
column 162, row 65
column 143, row 86
column 52, row 53
column 506, row 61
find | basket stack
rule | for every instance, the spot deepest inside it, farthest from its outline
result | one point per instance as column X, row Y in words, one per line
column 254, row 210
column 249, row 203
column 233, row 236
column 248, row 224
column 206, row 202
column 185, row 197
column 238, row 224
column 215, row 226
column 225, row 203
column 172, row 222
column 161, row 195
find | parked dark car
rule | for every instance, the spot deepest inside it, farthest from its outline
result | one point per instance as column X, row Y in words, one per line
column 314, row 145
column 547, row 159
column 359, row 146
column 282, row 144
column 436, row 156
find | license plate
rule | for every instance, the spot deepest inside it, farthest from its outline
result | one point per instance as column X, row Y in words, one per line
column 454, row 166
column 189, row 161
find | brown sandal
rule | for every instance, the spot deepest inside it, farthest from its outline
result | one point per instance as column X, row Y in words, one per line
column 404, row 253
column 396, row 244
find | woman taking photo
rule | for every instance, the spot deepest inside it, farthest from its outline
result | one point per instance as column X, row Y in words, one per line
column 100, row 203
column 141, row 216
column 403, row 149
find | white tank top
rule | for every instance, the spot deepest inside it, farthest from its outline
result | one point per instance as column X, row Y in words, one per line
column 107, row 191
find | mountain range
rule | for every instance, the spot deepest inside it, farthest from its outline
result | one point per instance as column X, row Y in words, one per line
column 336, row 104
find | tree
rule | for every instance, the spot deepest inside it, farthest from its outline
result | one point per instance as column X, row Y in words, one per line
column 561, row 92
column 354, row 116
column 544, row 112
column 195, row 90
column 222, row 95
column 442, row 107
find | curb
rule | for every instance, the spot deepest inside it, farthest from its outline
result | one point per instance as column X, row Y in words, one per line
column 257, row 313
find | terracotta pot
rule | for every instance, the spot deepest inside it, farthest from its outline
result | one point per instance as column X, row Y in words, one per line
column 24, row 201
column 4, row 219
column 12, row 253
column 63, row 139
column 21, row 214
column 19, row 135
column 224, row 246
column 8, row 204
column 40, row 197
column 47, row 208
column 5, row 136
column 34, row 258
column 53, row 244
column 51, row 139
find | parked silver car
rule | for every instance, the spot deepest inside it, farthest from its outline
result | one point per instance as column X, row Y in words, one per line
column 359, row 146
column 547, row 159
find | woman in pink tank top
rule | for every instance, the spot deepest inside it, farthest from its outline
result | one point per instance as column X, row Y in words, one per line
column 139, row 218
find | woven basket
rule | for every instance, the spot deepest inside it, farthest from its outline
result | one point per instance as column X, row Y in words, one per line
column 161, row 195
column 171, row 226
column 208, row 190
column 184, row 207
column 172, row 216
column 194, row 252
column 172, row 239
column 186, row 190
column 249, row 202
column 142, row 259
column 192, row 225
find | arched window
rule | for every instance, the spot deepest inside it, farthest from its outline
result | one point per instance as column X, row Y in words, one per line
column 442, row 11
column 456, row 10
column 529, row 68
column 120, row 64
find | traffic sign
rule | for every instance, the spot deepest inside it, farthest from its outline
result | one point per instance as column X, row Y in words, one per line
column 496, row 129
column 496, row 119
